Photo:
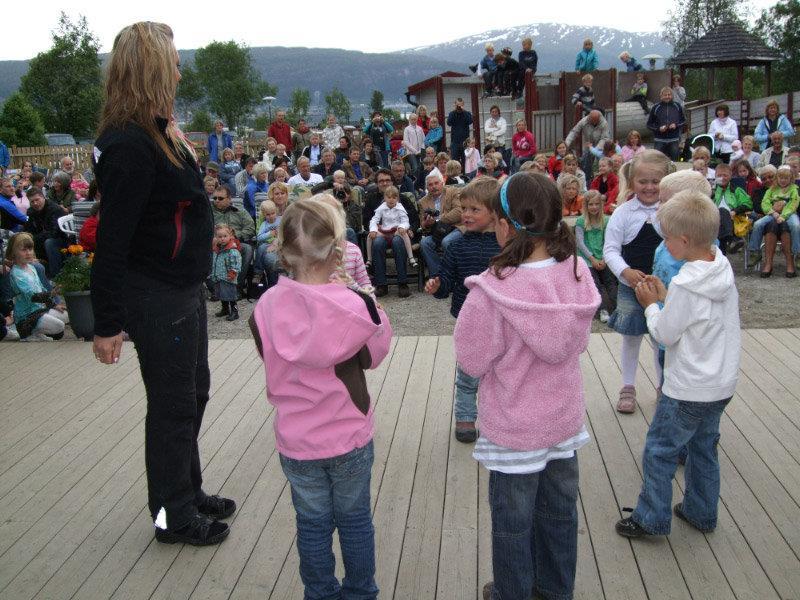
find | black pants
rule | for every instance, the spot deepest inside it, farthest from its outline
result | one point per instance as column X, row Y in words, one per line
column 671, row 149
column 725, row 229
column 607, row 286
column 168, row 327
column 642, row 100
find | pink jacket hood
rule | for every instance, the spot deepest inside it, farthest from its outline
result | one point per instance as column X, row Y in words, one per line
column 307, row 331
column 523, row 336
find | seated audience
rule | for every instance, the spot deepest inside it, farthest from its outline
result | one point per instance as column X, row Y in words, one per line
column 607, row 184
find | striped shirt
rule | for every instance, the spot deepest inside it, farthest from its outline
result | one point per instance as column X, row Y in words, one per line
column 468, row 255
column 354, row 265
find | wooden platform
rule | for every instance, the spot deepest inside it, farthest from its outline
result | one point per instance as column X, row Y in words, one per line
column 74, row 522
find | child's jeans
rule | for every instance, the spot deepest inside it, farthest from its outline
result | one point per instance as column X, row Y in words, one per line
column 606, row 284
column 535, row 531
column 466, row 408
column 679, row 423
column 334, row 493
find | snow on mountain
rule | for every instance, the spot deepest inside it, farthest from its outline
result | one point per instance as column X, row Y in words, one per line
column 555, row 43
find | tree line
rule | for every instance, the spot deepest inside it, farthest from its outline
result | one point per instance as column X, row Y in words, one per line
column 62, row 90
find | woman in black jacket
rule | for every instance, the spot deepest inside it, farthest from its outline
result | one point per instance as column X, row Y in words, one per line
column 153, row 254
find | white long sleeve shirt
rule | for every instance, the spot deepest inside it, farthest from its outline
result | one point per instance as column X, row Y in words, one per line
column 413, row 139
column 623, row 226
column 730, row 133
column 389, row 218
column 495, row 130
column 332, row 135
column 699, row 326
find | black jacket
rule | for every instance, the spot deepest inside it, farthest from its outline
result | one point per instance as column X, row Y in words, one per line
column 155, row 222
column 43, row 224
column 459, row 122
column 528, row 59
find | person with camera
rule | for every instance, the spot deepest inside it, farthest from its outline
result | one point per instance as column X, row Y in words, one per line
column 380, row 132
column 441, row 220
column 337, row 185
column 459, row 121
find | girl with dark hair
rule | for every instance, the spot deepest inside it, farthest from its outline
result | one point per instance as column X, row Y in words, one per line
column 521, row 330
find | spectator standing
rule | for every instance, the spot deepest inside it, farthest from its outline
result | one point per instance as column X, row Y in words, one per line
column 678, row 91
column 280, row 131
column 301, row 138
column 218, row 140
column 666, row 120
column 413, row 142
column 435, row 136
column 242, row 224
column 331, row 133
column 495, row 129
column 5, row 157
column 724, row 130
column 595, row 133
column 586, row 61
column 772, row 121
column 379, row 132
column 528, row 62
column 459, row 121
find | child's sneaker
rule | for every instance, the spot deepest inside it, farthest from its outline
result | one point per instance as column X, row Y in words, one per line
column 11, row 333
column 466, row 432
column 413, row 262
column 627, row 400
column 604, row 316
column 629, row 528
column 37, row 337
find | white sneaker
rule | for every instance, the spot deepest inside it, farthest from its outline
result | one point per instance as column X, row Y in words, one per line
column 11, row 333
column 604, row 316
column 37, row 337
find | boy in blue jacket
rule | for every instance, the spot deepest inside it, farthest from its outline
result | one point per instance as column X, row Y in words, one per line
column 587, row 60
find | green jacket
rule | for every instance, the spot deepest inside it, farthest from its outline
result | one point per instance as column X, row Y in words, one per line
column 775, row 194
column 242, row 223
column 737, row 199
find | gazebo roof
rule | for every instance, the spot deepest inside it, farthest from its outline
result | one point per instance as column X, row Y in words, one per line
column 728, row 43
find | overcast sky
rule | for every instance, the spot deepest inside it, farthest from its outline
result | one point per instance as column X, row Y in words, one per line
column 352, row 25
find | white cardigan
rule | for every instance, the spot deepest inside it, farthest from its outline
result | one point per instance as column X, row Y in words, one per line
column 729, row 131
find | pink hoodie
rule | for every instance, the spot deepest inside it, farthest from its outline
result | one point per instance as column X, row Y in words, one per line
column 309, row 334
column 523, row 336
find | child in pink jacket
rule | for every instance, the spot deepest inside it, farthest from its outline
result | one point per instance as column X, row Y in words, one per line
column 316, row 339
column 524, row 324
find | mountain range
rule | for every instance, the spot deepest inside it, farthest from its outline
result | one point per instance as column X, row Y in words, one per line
column 358, row 73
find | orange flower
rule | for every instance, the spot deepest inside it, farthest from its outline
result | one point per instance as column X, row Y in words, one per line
column 75, row 249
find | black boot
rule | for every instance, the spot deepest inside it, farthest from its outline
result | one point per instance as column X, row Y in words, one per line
column 223, row 312
column 234, row 312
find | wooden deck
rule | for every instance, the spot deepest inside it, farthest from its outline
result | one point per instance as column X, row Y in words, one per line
column 74, row 521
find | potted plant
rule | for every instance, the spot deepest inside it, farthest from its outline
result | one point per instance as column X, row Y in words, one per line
column 73, row 284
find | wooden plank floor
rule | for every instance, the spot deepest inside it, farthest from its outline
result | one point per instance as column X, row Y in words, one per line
column 74, row 522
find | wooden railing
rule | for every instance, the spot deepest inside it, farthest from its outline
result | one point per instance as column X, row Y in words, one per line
column 746, row 113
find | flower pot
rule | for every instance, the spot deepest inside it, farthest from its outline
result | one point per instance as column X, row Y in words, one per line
column 81, row 316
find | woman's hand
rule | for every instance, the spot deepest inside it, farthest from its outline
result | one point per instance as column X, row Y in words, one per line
column 633, row 276
column 107, row 349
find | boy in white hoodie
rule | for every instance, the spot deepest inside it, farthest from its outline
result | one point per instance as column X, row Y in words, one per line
column 699, row 326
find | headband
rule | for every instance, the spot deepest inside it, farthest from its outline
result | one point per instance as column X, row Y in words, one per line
column 504, row 205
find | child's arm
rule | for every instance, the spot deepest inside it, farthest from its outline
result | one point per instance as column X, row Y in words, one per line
column 263, row 233
column 478, row 334
column 376, row 218
column 234, row 264
column 667, row 324
column 792, row 204
column 612, row 246
column 448, row 273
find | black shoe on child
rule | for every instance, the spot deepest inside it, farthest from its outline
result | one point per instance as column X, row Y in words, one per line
column 403, row 291
column 216, row 507
column 222, row 312
column 200, row 531
column 629, row 528
column 234, row 313
column 381, row 290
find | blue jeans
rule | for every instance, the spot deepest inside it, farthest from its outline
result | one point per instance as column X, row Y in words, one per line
column 267, row 263
column 679, row 423
column 535, row 531
column 334, row 493
column 379, row 259
column 757, row 234
column 351, row 236
column 466, row 391
column 671, row 149
column 428, row 247
column 52, row 248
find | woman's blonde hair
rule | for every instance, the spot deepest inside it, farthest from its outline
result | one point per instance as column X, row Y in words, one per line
column 140, row 84
column 226, row 151
column 310, row 233
column 18, row 240
column 453, row 168
column 258, row 169
column 567, row 180
column 277, row 185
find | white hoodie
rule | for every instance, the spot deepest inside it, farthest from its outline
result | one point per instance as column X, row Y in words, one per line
column 699, row 325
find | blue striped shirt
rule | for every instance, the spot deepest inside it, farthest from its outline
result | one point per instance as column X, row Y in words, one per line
column 467, row 256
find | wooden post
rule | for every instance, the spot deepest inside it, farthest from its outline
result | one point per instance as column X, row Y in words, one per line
column 613, row 102
column 440, row 110
column 768, row 73
column 740, row 82
column 476, row 114
column 531, row 100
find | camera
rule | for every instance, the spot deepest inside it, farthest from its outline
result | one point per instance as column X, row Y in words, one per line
column 432, row 212
column 340, row 194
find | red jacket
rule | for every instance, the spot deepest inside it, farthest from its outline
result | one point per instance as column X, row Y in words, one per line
column 88, row 235
column 612, row 190
column 554, row 165
column 523, row 144
column 282, row 134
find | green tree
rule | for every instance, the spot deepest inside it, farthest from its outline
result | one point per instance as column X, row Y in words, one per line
column 63, row 84
column 298, row 105
column 376, row 102
column 201, row 121
column 20, row 124
column 261, row 122
column 779, row 28
column 189, row 95
column 692, row 19
column 338, row 104
column 232, row 86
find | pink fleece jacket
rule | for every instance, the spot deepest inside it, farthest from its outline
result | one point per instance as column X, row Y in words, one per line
column 523, row 336
column 306, row 330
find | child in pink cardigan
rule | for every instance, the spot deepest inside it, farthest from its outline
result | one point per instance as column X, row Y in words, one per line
column 316, row 337
column 522, row 329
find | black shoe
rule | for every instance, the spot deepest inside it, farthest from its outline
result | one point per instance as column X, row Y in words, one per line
column 381, row 290
column 403, row 291
column 678, row 510
column 216, row 507
column 234, row 314
column 200, row 531
column 736, row 244
column 789, row 275
column 223, row 312
column 766, row 274
column 629, row 528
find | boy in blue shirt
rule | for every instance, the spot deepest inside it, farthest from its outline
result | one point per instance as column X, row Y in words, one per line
column 467, row 256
